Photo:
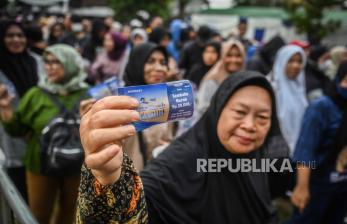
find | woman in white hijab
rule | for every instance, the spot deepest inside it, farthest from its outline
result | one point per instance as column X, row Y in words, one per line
column 288, row 80
column 138, row 36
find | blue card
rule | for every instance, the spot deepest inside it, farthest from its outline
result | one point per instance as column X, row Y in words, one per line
column 107, row 88
column 161, row 102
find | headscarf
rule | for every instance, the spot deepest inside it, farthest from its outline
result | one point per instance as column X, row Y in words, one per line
column 158, row 34
column 140, row 32
column 316, row 52
column 176, row 28
column 218, row 71
column 134, row 70
column 52, row 39
column 269, row 50
column 21, row 69
column 73, row 68
column 198, row 71
column 290, row 94
column 317, row 82
column 119, row 46
column 337, row 55
column 177, row 193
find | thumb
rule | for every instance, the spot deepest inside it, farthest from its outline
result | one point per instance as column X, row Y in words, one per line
column 302, row 207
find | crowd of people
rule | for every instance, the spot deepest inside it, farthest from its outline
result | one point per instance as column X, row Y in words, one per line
column 252, row 100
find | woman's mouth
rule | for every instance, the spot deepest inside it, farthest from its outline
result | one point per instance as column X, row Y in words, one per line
column 244, row 140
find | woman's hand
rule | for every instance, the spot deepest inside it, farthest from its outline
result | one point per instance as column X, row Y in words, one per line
column 300, row 197
column 103, row 129
column 6, row 110
column 85, row 106
column 341, row 163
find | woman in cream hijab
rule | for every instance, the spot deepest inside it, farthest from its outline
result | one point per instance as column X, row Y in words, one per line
column 232, row 60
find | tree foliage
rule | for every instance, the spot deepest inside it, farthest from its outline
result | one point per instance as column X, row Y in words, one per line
column 126, row 10
column 308, row 17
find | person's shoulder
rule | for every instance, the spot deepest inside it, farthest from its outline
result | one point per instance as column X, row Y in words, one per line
column 323, row 104
column 32, row 96
column 208, row 83
column 34, row 91
column 323, row 101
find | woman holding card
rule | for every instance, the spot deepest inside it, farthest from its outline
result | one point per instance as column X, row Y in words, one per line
column 239, row 124
column 147, row 65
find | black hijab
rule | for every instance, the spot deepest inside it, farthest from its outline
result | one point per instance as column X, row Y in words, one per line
column 198, row 71
column 134, row 70
column 134, row 76
column 158, row 34
column 20, row 69
column 315, row 78
column 177, row 193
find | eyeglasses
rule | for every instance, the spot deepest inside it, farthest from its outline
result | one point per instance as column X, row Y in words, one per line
column 52, row 62
column 13, row 35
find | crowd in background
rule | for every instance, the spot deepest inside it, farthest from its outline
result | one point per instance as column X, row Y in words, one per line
column 65, row 58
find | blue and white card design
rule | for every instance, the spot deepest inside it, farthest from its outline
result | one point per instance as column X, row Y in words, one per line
column 107, row 88
column 161, row 102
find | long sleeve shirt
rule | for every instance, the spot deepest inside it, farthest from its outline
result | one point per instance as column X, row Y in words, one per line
column 121, row 202
column 315, row 144
column 34, row 111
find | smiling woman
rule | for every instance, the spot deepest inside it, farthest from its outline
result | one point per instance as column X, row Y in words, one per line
column 245, row 120
column 173, row 191
column 232, row 60
column 147, row 65
column 288, row 80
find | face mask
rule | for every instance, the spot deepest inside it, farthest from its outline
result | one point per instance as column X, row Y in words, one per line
column 342, row 91
column 325, row 65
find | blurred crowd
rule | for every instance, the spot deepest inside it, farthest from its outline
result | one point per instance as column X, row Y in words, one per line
column 66, row 58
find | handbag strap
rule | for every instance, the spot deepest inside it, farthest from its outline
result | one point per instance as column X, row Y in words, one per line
column 60, row 105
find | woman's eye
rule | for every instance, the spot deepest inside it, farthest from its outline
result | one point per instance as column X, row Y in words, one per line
column 240, row 112
column 263, row 117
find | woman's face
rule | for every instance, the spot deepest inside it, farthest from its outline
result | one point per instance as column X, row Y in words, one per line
column 126, row 32
column 210, row 56
column 245, row 120
column 155, row 69
column 165, row 41
column 108, row 42
column 138, row 40
column 233, row 60
column 15, row 40
column 54, row 69
column 343, row 83
column 58, row 31
column 294, row 66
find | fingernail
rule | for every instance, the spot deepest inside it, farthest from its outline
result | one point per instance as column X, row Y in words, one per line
column 135, row 115
column 134, row 102
column 131, row 130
